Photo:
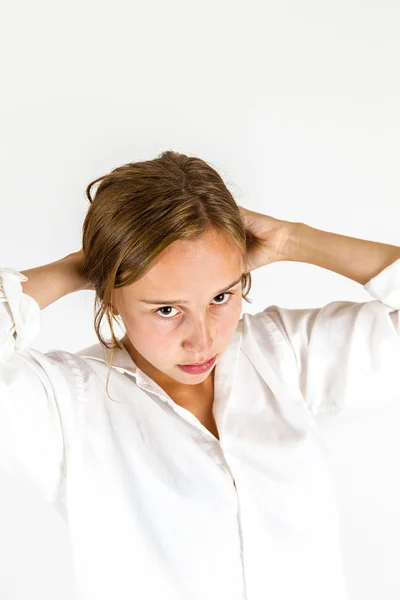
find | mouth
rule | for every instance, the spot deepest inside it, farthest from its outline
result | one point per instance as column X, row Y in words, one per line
column 197, row 369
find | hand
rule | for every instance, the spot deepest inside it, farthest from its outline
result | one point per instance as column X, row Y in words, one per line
column 266, row 238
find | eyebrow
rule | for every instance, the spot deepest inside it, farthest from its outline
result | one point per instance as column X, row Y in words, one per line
column 169, row 302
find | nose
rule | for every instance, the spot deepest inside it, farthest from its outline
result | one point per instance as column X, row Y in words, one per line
column 200, row 341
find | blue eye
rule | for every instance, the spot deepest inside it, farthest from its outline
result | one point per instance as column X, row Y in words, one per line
column 169, row 318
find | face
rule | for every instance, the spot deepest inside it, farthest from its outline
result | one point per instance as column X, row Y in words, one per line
column 183, row 310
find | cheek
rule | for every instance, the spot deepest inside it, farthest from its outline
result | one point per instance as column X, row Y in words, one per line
column 235, row 317
column 226, row 326
column 147, row 336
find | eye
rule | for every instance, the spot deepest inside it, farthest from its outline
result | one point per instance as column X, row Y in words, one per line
column 169, row 318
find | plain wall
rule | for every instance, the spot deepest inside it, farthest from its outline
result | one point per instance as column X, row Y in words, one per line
column 296, row 104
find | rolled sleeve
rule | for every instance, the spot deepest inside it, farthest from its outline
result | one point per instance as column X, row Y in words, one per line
column 20, row 314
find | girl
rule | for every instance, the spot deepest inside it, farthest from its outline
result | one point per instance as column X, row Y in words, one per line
column 186, row 457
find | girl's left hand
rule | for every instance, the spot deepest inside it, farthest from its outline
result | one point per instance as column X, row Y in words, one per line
column 266, row 238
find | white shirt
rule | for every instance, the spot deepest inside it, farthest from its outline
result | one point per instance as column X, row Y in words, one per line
column 156, row 505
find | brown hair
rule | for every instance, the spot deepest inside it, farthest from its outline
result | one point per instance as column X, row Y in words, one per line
column 138, row 210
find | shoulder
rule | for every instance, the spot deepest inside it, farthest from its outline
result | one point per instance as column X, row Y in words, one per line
column 269, row 323
column 264, row 333
column 60, row 367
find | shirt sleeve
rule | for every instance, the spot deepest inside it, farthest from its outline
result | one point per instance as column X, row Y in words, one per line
column 31, row 433
column 347, row 353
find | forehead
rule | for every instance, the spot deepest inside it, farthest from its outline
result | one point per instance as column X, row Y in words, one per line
column 187, row 269
column 213, row 246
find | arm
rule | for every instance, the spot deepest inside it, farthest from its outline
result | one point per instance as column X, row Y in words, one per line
column 357, row 259
column 48, row 283
column 38, row 391
column 347, row 353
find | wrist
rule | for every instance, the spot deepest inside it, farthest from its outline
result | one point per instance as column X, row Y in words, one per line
column 72, row 263
column 293, row 233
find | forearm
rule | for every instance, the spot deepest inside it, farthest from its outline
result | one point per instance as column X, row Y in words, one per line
column 50, row 282
column 354, row 258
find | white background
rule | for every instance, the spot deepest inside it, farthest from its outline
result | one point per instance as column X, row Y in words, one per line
column 296, row 104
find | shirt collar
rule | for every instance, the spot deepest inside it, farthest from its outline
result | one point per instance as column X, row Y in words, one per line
column 121, row 362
